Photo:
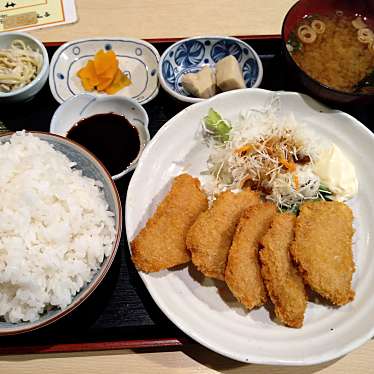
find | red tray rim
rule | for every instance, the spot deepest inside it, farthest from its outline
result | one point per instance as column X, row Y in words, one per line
column 172, row 40
column 94, row 346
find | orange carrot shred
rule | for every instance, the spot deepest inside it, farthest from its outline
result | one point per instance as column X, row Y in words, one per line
column 296, row 182
column 291, row 166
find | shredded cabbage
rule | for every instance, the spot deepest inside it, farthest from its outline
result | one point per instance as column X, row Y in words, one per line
column 266, row 151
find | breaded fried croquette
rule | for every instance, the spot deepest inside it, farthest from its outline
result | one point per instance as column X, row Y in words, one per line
column 243, row 274
column 210, row 237
column 323, row 249
column 161, row 244
column 283, row 283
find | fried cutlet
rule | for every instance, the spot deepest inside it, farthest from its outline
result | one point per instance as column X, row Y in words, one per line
column 322, row 249
column 210, row 237
column 283, row 283
column 243, row 274
column 161, row 244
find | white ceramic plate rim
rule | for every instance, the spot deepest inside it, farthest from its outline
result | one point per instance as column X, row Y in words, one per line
column 189, row 99
column 161, row 300
column 114, row 38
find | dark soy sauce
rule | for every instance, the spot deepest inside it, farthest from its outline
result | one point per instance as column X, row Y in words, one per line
column 110, row 137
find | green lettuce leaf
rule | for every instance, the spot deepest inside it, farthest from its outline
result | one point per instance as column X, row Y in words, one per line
column 214, row 122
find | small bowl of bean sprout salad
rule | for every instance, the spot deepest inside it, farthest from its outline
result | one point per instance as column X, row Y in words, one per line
column 24, row 67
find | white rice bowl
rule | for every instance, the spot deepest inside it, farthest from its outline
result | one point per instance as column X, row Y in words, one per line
column 55, row 229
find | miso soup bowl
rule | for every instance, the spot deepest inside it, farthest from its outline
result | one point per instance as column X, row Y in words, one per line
column 304, row 8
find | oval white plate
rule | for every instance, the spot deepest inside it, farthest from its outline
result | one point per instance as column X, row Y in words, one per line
column 211, row 316
column 137, row 58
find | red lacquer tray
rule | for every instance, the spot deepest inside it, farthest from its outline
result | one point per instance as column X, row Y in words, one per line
column 120, row 313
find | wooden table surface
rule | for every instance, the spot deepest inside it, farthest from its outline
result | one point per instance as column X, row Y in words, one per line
column 154, row 19
column 191, row 360
column 151, row 19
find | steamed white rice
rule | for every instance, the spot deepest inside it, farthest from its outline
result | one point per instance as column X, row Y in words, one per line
column 55, row 228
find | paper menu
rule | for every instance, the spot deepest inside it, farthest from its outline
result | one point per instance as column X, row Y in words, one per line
column 19, row 15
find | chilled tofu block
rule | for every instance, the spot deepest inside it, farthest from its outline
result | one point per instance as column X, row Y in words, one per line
column 201, row 84
column 228, row 74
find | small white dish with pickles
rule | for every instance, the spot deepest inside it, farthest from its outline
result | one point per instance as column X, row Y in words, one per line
column 137, row 60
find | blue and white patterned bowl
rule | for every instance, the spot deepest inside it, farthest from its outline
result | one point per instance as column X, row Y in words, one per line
column 190, row 55
column 137, row 59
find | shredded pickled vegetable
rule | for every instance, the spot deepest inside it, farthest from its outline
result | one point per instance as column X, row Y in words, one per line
column 19, row 65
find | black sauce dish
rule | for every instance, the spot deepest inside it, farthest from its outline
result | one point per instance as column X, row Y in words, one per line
column 113, row 128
